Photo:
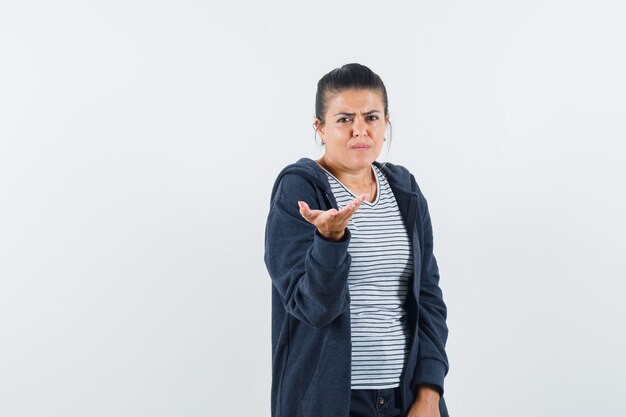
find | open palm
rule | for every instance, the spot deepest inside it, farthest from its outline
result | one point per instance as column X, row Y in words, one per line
column 331, row 223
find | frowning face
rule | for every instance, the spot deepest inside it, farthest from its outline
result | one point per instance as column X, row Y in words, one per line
column 354, row 129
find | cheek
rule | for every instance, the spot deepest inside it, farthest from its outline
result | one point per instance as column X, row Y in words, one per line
column 340, row 134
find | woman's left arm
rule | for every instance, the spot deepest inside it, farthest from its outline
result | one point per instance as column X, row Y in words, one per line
column 432, row 361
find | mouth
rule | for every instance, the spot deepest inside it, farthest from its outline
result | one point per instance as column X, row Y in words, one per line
column 360, row 147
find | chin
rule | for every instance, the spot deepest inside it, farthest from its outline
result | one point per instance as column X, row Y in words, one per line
column 364, row 160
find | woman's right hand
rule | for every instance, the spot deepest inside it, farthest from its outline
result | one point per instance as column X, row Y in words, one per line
column 331, row 223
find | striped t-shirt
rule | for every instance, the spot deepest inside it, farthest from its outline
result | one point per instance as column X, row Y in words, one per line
column 378, row 280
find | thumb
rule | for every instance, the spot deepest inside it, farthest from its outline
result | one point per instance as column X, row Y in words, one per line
column 304, row 208
column 308, row 214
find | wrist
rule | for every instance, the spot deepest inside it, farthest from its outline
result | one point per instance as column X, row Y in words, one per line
column 428, row 392
column 334, row 237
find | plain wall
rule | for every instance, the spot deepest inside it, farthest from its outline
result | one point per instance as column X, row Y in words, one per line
column 139, row 142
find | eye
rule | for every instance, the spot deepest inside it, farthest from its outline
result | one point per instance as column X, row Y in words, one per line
column 374, row 117
column 343, row 118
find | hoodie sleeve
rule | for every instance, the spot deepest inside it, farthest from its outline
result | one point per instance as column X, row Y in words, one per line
column 432, row 362
column 309, row 272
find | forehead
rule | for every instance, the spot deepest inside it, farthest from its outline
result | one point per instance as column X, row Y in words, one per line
column 356, row 99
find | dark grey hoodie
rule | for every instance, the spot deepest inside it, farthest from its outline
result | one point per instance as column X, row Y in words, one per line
column 311, row 334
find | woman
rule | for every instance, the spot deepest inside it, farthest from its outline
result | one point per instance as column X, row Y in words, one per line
column 358, row 318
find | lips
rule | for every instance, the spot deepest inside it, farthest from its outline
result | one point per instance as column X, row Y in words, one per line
column 360, row 147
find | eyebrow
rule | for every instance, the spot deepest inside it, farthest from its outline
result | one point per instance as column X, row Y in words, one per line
column 343, row 113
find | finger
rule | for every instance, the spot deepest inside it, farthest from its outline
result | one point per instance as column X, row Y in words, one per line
column 306, row 211
column 304, row 208
column 349, row 209
column 364, row 197
column 358, row 201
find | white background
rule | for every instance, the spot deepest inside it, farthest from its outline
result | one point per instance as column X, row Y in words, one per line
column 139, row 141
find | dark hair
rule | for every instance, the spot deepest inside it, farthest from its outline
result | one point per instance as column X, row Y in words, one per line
column 349, row 76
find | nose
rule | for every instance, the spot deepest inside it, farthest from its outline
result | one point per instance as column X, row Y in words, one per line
column 359, row 127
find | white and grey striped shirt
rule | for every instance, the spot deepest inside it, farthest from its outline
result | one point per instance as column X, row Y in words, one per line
column 378, row 280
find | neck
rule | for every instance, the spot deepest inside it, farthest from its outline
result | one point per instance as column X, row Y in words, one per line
column 348, row 176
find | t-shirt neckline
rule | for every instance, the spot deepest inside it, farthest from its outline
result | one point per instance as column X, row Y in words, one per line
column 372, row 204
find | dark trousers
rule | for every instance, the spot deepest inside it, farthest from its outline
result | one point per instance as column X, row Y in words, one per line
column 375, row 402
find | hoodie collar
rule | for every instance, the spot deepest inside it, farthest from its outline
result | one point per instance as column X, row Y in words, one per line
column 398, row 176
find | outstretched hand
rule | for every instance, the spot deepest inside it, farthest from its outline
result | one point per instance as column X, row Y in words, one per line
column 331, row 223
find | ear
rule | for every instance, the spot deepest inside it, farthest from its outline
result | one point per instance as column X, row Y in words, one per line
column 319, row 127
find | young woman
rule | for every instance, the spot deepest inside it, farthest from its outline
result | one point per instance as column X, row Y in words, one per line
column 358, row 317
